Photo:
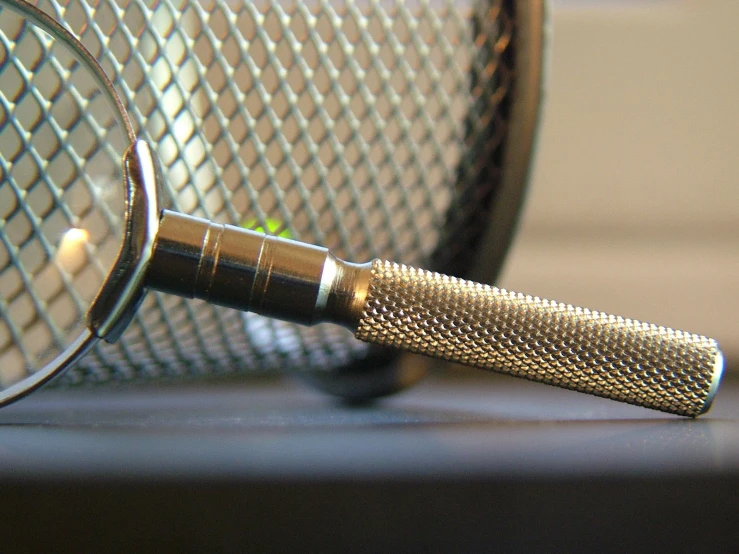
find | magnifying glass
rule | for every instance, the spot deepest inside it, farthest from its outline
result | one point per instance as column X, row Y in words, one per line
column 67, row 147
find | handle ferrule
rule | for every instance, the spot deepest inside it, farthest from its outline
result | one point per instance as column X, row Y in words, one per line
column 248, row 270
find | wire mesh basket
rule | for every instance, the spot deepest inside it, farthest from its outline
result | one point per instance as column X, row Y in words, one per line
column 376, row 128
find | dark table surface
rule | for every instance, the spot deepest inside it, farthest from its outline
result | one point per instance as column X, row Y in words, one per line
column 464, row 464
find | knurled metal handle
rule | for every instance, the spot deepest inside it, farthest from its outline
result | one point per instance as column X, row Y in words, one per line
column 440, row 316
column 558, row 344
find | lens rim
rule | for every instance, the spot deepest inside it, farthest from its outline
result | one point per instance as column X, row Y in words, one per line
column 76, row 349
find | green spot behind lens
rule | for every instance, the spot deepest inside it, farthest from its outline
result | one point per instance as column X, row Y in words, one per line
column 273, row 226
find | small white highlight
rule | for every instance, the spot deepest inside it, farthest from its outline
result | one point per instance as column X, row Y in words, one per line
column 71, row 254
column 328, row 276
column 718, row 371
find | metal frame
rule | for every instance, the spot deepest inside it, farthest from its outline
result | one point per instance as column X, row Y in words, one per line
column 532, row 37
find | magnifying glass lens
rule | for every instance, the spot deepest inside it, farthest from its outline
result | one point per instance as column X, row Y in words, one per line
column 61, row 196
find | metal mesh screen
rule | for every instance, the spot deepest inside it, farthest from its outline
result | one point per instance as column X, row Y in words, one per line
column 372, row 127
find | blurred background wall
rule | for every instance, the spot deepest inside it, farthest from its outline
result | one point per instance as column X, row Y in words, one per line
column 634, row 204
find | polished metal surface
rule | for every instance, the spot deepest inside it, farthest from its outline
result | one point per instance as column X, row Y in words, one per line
column 123, row 290
column 525, row 336
column 247, row 270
